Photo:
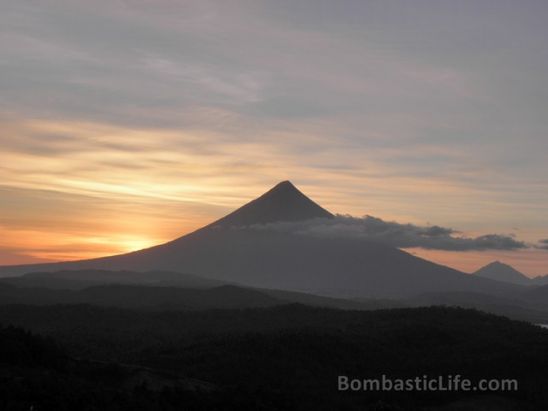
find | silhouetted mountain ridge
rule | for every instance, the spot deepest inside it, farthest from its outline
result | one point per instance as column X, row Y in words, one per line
column 150, row 296
column 540, row 280
column 538, row 294
column 80, row 279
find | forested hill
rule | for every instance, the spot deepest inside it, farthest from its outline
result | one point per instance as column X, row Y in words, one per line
column 279, row 358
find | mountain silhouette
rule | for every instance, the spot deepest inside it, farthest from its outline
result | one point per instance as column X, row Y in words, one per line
column 156, row 296
column 136, row 296
column 503, row 272
column 230, row 251
column 80, row 279
column 284, row 202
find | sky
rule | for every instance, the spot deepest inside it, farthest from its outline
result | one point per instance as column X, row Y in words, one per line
column 125, row 124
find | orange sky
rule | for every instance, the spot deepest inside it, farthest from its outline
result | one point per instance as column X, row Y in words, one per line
column 103, row 189
column 87, row 199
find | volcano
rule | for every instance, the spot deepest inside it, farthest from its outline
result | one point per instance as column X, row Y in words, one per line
column 284, row 202
column 231, row 249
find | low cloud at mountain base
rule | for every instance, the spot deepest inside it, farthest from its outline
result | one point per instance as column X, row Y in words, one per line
column 396, row 234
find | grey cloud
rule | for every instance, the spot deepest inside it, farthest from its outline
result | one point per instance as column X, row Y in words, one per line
column 542, row 244
column 396, row 234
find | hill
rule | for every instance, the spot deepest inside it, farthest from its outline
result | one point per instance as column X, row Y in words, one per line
column 279, row 358
column 170, row 297
column 537, row 294
column 524, row 305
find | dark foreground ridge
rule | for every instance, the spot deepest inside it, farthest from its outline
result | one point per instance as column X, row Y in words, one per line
column 283, row 358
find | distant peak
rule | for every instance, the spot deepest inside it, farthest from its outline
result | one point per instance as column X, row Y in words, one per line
column 283, row 202
column 500, row 271
column 497, row 263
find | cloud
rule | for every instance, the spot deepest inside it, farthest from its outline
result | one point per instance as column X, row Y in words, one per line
column 395, row 234
column 542, row 244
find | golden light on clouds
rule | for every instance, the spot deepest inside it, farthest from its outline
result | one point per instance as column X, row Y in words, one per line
column 81, row 190
column 73, row 189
